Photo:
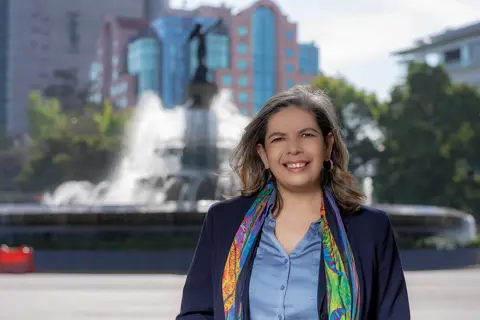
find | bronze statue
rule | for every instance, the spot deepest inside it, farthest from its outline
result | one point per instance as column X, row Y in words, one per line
column 202, row 70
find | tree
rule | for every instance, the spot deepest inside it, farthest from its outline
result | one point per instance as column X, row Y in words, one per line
column 70, row 146
column 45, row 117
column 357, row 113
column 431, row 129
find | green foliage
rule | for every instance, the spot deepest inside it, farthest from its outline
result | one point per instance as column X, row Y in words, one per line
column 357, row 113
column 73, row 145
column 45, row 117
column 431, row 128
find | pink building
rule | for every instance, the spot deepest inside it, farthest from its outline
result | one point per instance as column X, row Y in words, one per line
column 265, row 56
column 109, row 68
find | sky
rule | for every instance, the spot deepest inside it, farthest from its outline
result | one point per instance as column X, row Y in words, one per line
column 356, row 37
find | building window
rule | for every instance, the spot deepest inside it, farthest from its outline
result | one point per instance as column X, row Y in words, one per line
column 243, row 81
column 290, row 68
column 244, row 111
column 115, row 60
column 242, row 64
column 242, row 48
column 72, row 29
column 227, row 80
column 289, row 52
column 290, row 83
column 122, row 103
column 452, row 56
column 289, row 34
column 242, row 31
column 243, row 97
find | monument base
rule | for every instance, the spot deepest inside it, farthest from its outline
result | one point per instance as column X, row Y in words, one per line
column 202, row 93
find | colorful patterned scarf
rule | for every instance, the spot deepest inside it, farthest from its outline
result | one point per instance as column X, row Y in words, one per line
column 343, row 295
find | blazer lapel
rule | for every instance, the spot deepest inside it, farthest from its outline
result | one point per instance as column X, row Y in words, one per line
column 322, row 287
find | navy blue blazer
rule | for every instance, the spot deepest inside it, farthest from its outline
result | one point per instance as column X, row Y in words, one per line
column 382, row 282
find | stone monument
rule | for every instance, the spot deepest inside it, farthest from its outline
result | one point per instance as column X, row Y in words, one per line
column 200, row 90
column 200, row 151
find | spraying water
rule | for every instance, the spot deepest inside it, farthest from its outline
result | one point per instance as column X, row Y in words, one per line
column 170, row 155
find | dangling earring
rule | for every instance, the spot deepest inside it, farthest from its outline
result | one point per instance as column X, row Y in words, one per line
column 267, row 174
column 328, row 165
column 327, row 168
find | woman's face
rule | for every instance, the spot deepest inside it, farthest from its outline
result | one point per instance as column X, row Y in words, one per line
column 295, row 149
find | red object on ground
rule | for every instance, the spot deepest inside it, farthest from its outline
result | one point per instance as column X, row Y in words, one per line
column 16, row 260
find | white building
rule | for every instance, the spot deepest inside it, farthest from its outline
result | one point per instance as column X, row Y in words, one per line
column 458, row 50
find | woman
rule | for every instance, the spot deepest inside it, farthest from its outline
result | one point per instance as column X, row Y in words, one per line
column 297, row 244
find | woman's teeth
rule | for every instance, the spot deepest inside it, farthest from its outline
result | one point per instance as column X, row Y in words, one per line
column 295, row 165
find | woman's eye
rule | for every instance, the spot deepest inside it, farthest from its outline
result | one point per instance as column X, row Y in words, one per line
column 308, row 135
column 277, row 139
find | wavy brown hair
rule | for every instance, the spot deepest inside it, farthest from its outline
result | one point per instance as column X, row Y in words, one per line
column 246, row 162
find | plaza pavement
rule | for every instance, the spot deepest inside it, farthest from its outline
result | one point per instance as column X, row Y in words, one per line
column 433, row 295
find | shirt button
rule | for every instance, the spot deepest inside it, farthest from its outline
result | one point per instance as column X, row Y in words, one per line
column 282, row 287
column 286, row 260
column 280, row 317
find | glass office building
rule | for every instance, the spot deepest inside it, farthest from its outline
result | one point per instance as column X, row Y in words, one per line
column 263, row 55
column 144, row 61
column 308, row 60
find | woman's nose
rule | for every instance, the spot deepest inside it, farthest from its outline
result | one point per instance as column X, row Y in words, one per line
column 294, row 146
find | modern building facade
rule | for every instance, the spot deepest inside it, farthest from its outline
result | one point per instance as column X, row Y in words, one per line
column 308, row 59
column 179, row 61
column 265, row 56
column 457, row 50
column 143, row 61
column 40, row 36
column 155, row 56
column 253, row 53
column 108, row 72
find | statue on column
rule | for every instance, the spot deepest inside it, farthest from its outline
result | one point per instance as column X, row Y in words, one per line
column 202, row 70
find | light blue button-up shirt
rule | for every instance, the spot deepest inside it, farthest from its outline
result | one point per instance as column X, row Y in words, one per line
column 285, row 286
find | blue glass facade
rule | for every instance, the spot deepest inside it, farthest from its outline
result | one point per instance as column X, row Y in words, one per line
column 4, row 32
column 263, row 56
column 144, row 61
column 178, row 54
column 308, row 60
column 173, row 33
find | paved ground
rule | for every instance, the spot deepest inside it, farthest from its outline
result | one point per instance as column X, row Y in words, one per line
column 434, row 295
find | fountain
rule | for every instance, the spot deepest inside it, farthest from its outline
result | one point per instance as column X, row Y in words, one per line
column 177, row 155
column 173, row 158
column 174, row 165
